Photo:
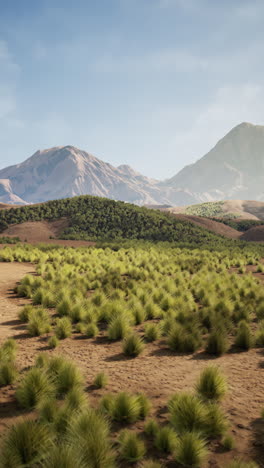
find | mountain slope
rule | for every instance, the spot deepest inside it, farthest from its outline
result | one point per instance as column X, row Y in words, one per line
column 7, row 196
column 62, row 172
column 234, row 168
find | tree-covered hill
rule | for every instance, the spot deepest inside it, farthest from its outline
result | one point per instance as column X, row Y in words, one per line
column 103, row 219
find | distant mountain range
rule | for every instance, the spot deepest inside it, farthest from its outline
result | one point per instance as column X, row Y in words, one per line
column 234, row 168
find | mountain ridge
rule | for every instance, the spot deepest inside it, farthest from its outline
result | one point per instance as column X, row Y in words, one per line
column 233, row 169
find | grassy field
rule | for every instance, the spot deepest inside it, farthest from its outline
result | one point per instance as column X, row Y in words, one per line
column 185, row 302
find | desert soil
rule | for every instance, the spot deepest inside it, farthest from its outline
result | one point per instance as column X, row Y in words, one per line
column 35, row 232
column 157, row 372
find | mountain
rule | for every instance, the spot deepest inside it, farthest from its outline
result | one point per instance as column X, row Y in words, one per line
column 7, row 196
column 233, row 169
column 62, row 172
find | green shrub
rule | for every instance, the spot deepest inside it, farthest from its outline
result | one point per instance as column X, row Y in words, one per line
column 75, row 399
column 68, row 377
column 211, row 384
column 187, row 413
column 8, row 373
column 24, row 313
column 63, row 328
column 132, row 448
column 8, row 350
column 244, row 338
column 125, row 408
column 152, row 332
column 89, row 434
column 144, row 405
column 150, row 464
column 118, row 328
column 215, row 424
column 91, row 330
column 64, row 307
column 183, row 341
column 101, row 380
column 39, row 322
column 217, row 343
column 47, row 410
column 27, row 443
column 191, row 450
column 166, row 440
column 35, row 386
column 53, row 342
column 133, row 345
column 64, row 456
column 228, row 442
column 151, row 428
column 139, row 315
column 42, row 360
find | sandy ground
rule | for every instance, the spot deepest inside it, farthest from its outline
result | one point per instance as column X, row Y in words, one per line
column 157, row 372
column 214, row 226
column 35, row 232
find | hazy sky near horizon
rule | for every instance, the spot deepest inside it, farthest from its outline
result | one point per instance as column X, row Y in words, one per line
column 149, row 83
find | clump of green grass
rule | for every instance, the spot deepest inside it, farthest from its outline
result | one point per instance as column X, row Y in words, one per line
column 91, row 330
column 24, row 313
column 228, row 442
column 244, row 338
column 144, row 405
column 39, row 322
column 217, row 343
column 101, row 380
column 47, row 410
column 152, row 332
column 35, row 386
column 187, row 413
column 8, row 350
column 211, row 384
column 132, row 448
column 64, row 307
column 118, row 328
column 125, row 408
column 26, row 444
column 63, row 328
column 75, row 399
column 151, row 428
column 8, row 373
column 191, row 450
column 53, row 342
column 166, row 439
column 215, row 424
column 133, row 345
column 68, row 377
column 89, row 434
column 63, row 456
column 182, row 340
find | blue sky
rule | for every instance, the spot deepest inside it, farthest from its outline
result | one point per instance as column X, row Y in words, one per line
column 149, row 83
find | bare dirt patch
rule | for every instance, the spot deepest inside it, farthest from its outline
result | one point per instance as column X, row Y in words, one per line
column 214, row 226
column 35, row 232
column 255, row 234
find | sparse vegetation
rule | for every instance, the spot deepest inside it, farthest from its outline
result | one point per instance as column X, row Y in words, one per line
column 186, row 300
